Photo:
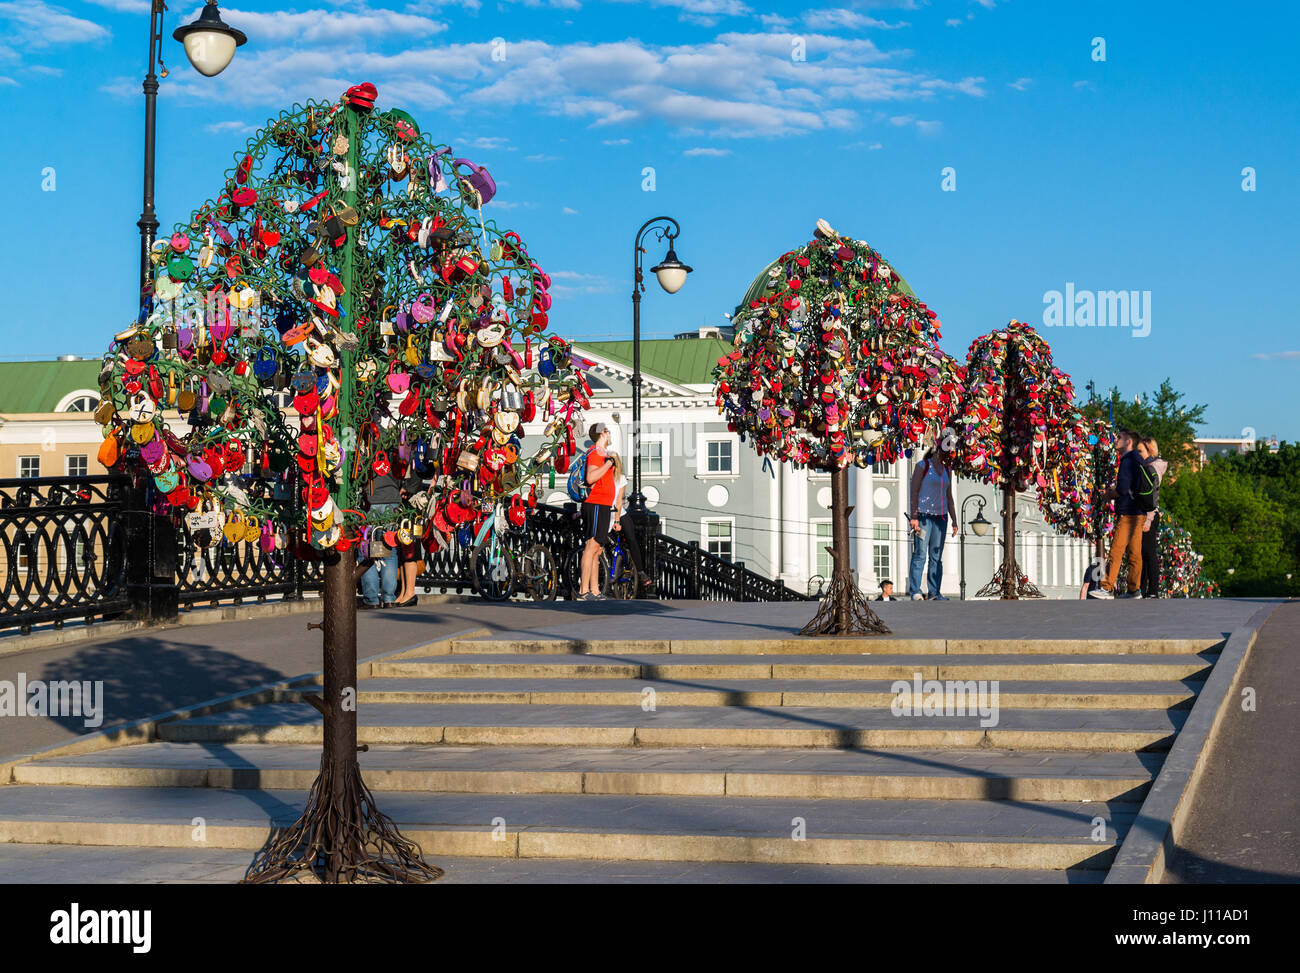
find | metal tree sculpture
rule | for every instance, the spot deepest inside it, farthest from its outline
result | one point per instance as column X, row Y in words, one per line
column 1018, row 426
column 345, row 265
column 836, row 362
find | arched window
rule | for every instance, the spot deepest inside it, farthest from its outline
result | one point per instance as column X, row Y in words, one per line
column 82, row 400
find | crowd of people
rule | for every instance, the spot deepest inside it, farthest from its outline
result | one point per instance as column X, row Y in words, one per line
column 1135, row 493
column 390, row 580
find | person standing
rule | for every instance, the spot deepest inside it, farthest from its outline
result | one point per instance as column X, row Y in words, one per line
column 1154, row 472
column 597, row 510
column 931, row 506
column 1129, row 519
column 625, row 526
column 380, row 582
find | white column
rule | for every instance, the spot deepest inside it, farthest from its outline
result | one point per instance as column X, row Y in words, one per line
column 794, row 527
column 864, row 507
column 774, row 519
column 901, row 542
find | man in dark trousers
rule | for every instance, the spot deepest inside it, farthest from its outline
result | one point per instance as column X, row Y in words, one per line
column 1129, row 520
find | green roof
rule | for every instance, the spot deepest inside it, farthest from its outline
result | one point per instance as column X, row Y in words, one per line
column 686, row 361
column 37, row 386
column 759, row 287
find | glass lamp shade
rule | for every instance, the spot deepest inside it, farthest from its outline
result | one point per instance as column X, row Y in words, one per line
column 671, row 273
column 209, row 43
column 209, row 51
column 979, row 525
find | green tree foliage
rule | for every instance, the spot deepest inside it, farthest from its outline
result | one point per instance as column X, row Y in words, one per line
column 1236, row 525
column 1162, row 415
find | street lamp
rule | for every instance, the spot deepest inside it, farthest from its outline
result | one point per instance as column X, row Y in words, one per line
column 979, row 525
column 671, row 273
column 209, row 45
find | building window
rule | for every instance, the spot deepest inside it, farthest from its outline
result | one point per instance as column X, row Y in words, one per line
column 83, row 403
column 718, row 457
column 25, row 552
column 652, row 458
column 882, row 560
column 78, row 465
column 78, row 400
column 882, row 469
column 29, row 466
column 822, row 537
column 718, row 537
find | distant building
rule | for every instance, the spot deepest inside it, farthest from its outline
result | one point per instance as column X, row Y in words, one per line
column 47, row 426
column 1208, row 447
column 707, row 486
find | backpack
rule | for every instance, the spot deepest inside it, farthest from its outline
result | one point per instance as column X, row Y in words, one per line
column 1145, row 498
column 578, row 485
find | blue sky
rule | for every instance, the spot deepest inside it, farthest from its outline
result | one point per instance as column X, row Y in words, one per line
column 1122, row 174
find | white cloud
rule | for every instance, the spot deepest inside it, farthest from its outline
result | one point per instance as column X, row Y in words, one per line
column 737, row 85
column 952, row 22
column 541, row 157
column 125, row 6
column 571, row 283
column 236, row 127
column 844, row 18
column 616, row 142
column 1278, row 356
column 316, row 26
column 569, row 211
column 34, row 24
column 1020, row 84
column 715, row 153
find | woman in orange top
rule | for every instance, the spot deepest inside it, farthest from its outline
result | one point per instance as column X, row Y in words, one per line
column 597, row 509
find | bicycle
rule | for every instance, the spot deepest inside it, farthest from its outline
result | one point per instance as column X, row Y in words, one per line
column 618, row 575
column 538, row 573
column 492, row 566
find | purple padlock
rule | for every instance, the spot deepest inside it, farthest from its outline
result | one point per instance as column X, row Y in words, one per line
column 478, row 179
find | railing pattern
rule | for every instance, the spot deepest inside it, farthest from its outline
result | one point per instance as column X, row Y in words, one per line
column 65, row 543
column 688, row 571
column 63, row 549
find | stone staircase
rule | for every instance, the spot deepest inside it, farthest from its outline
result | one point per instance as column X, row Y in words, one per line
column 727, row 760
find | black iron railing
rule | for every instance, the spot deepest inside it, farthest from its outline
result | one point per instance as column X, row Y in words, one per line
column 90, row 548
column 688, row 571
column 63, row 549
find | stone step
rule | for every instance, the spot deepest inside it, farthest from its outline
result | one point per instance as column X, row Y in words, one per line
column 1091, row 668
column 624, row 726
column 970, row 774
column 762, row 692
column 966, row 834
column 877, row 645
column 94, row 864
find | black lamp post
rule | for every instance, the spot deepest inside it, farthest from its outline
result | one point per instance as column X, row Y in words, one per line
column 672, row 275
column 209, row 45
column 979, row 525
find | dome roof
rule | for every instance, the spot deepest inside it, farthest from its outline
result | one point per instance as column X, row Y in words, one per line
column 759, row 287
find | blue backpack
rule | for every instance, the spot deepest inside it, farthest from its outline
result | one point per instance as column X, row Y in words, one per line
column 578, row 485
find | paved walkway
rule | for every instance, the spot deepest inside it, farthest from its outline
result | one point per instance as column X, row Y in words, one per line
column 1245, row 825
column 146, row 673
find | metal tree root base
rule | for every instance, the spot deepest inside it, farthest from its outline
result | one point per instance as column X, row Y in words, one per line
column 844, row 612
column 342, row 837
column 998, row 586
